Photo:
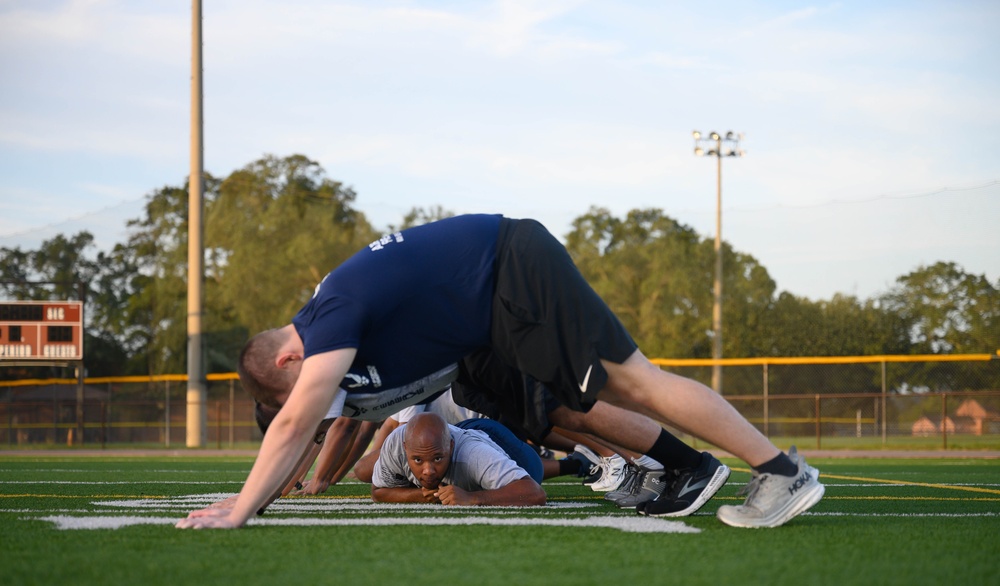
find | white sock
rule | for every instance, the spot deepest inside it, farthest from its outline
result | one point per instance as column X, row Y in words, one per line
column 648, row 463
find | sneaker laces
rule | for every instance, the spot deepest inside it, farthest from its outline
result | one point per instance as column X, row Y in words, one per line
column 752, row 487
column 633, row 480
column 632, row 483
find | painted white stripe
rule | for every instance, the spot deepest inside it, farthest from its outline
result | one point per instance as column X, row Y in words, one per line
column 241, row 477
column 985, row 514
column 627, row 524
column 122, row 471
column 914, row 515
column 120, row 482
column 314, row 505
column 834, row 484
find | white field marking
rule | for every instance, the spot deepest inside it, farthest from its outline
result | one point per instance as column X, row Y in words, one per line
column 914, row 515
column 119, row 482
column 866, row 485
column 240, row 481
column 119, row 471
column 627, row 524
column 78, row 515
column 321, row 505
column 36, row 511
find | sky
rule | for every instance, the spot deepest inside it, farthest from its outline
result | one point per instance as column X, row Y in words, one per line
column 872, row 129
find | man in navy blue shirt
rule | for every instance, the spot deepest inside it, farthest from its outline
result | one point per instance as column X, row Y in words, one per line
column 391, row 323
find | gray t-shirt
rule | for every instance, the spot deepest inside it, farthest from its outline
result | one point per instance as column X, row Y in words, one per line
column 476, row 463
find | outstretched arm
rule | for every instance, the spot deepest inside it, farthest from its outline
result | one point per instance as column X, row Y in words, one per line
column 524, row 492
column 364, row 437
column 404, row 495
column 220, row 507
column 339, row 439
column 286, row 438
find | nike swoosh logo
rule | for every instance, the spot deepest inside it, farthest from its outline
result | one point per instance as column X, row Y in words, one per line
column 688, row 487
column 586, row 379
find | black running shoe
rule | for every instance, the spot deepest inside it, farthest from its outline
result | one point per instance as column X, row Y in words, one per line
column 689, row 489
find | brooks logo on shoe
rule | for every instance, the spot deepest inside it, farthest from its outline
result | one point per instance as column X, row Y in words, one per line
column 688, row 487
column 799, row 482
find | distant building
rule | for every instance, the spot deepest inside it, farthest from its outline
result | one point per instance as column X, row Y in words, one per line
column 924, row 427
column 970, row 418
column 973, row 417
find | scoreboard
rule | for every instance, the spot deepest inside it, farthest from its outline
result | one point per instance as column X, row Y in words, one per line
column 41, row 330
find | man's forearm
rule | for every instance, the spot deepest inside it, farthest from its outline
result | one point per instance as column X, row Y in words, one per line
column 398, row 495
column 336, row 448
column 361, row 441
column 520, row 493
column 270, row 471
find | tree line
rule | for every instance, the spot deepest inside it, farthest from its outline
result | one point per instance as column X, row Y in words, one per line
column 275, row 227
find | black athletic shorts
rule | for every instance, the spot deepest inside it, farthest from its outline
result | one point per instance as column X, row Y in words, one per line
column 548, row 322
column 487, row 385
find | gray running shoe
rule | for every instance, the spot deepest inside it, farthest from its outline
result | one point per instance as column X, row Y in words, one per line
column 651, row 485
column 630, row 485
column 772, row 499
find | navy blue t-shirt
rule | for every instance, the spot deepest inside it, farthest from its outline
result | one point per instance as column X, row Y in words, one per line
column 411, row 303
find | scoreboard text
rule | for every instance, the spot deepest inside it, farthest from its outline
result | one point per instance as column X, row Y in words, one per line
column 41, row 330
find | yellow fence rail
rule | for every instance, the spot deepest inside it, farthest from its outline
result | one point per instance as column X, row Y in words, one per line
column 925, row 401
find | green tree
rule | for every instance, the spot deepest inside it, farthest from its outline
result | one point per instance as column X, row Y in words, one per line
column 64, row 268
column 277, row 228
column 656, row 275
column 949, row 310
column 55, row 271
column 154, row 318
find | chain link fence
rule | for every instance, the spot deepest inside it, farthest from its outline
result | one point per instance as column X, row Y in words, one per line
column 123, row 411
column 887, row 402
column 879, row 402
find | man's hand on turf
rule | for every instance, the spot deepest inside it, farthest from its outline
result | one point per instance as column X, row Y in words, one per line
column 210, row 511
column 453, row 495
column 312, row 486
column 430, row 495
column 225, row 504
column 208, row 519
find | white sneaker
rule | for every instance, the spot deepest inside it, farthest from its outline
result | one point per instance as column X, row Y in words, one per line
column 613, row 474
column 773, row 500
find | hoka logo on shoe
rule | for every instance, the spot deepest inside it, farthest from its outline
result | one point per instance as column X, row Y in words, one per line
column 799, row 482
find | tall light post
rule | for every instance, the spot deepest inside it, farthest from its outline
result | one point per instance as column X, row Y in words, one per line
column 197, row 391
column 718, row 146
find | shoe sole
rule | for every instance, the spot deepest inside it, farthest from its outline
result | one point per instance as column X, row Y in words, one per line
column 631, row 502
column 719, row 478
column 596, row 487
column 795, row 508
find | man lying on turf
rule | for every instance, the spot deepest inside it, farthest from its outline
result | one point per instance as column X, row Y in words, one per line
column 429, row 461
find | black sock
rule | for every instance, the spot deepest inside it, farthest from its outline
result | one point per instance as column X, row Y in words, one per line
column 569, row 466
column 781, row 465
column 673, row 453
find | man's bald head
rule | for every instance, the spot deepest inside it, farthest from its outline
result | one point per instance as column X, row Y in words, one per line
column 427, row 429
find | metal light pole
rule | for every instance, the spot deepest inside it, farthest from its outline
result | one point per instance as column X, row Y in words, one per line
column 718, row 146
column 197, row 389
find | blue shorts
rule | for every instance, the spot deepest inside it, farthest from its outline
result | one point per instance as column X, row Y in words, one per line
column 518, row 451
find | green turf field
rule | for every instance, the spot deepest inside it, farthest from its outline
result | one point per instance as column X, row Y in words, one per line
column 881, row 522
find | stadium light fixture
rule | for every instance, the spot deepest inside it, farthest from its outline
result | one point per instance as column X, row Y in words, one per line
column 718, row 146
